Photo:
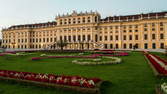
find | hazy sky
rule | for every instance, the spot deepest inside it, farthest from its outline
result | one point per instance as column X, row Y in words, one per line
column 14, row 12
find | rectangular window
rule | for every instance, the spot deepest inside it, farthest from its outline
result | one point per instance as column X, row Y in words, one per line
column 136, row 37
column 69, row 38
column 111, row 46
column 105, row 38
column 145, row 36
column 161, row 23
column 161, row 29
column 130, row 30
column 65, row 38
column 136, row 30
column 162, row 45
column 89, row 38
column 100, row 38
column 145, row 46
column 51, row 40
column 153, row 36
column 105, row 46
column 124, row 37
column 130, row 37
column 116, row 37
column 47, row 39
column 83, row 37
column 74, row 38
column 43, row 39
column 161, row 36
column 154, row 46
column 145, row 29
column 153, row 29
column 111, row 38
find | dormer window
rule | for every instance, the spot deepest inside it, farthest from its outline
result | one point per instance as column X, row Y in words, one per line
column 83, row 20
column 161, row 23
column 74, row 20
column 60, row 22
column 88, row 19
column 69, row 21
column 79, row 20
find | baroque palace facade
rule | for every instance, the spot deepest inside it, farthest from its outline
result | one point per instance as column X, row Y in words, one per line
column 89, row 31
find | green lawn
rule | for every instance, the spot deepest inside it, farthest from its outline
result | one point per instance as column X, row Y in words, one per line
column 132, row 76
column 160, row 55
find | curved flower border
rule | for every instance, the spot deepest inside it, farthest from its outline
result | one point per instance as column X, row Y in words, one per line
column 117, row 61
column 159, row 65
column 164, row 88
column 51, row 78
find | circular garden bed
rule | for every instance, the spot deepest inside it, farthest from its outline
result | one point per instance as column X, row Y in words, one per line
column 98, row 61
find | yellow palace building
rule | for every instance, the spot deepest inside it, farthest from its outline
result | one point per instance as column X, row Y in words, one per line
column 89, row 31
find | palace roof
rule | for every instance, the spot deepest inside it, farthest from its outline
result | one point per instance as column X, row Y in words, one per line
column 135, row 17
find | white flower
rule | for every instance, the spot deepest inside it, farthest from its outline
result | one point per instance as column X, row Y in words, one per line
column 164, row 87
column 114, row 60
column 43, row 55
column 91, row 82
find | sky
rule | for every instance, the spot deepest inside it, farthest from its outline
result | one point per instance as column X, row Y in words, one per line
column 15, row 12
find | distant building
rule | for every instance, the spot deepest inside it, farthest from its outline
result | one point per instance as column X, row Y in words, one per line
column 88, row 31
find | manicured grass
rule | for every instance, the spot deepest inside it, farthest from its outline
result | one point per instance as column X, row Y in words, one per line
column 162, row 55
column 133, row 76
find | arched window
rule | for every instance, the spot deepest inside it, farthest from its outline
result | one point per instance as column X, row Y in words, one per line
column 105, row 46
column 89, row 38
column 65, row 38
column 130, row 46
column 136, row 45
column 89, row 20
column 39, row 46
column 83, row 37
column 61, row 38
column 124, row 46
column 96, row 38
column 153, row 46
column 111, row 46
column 96, row 18
column 79, row 38
column 116, row 46
column 162, row 45
column 83, row 19
column 145, row 46
column 36, row 46
column 161, row 36
column 153, row 36
column 74, row 38
column 69, row 38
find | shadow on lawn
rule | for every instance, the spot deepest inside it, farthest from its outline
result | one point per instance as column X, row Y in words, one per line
column 105, row 87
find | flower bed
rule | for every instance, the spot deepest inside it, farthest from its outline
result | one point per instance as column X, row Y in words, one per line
column 98, row 61
column 158, row 65
column 161, row 89
column 116, row 54
column 6, row 53
column 111, row 53
column 69, row 82
column 44, row 56
column 164, row 88
column 15, row 54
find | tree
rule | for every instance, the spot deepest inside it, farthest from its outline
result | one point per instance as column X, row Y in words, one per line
column 135, row 46
column 61, row 44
